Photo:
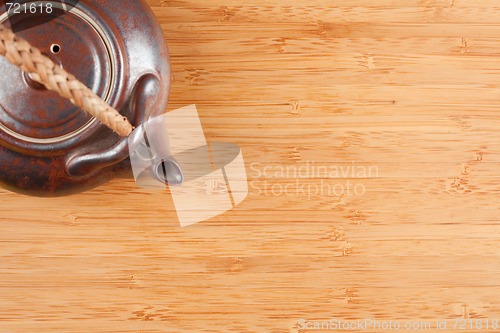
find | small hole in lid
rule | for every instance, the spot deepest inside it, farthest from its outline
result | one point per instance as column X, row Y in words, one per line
column 55, row 48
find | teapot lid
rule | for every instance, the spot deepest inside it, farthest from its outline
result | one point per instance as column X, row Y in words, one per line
column 77, row 42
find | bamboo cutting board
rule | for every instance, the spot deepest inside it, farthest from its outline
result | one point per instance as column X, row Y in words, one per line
column 396, row 100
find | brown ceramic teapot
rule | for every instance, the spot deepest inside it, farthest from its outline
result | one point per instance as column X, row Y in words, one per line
column 48, row 147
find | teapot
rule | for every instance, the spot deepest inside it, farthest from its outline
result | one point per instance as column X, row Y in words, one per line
column 48, row 146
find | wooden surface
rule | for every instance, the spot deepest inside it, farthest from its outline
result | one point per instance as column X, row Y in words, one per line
column 409, row 88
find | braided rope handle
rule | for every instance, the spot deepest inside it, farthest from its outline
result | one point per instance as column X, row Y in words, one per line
column 43, row 70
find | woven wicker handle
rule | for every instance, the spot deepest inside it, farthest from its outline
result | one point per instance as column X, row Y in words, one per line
column 43, row 70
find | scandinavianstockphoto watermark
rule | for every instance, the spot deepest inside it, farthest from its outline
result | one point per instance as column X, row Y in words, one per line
column 364, row 325
column 311, row 179
column 457, row 324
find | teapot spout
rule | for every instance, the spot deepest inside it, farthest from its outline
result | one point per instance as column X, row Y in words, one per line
column 169, row 172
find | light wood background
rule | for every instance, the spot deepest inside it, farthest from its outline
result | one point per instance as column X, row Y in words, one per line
column 410, row 87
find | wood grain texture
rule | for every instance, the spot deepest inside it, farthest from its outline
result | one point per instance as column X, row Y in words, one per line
column 409, row 88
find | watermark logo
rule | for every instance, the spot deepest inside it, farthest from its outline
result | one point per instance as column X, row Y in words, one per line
column 311, row 179
column 364, row 325
column 204, row 179
column 374, row 325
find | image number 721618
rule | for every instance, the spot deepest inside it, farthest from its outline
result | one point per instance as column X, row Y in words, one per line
column 44, row 11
